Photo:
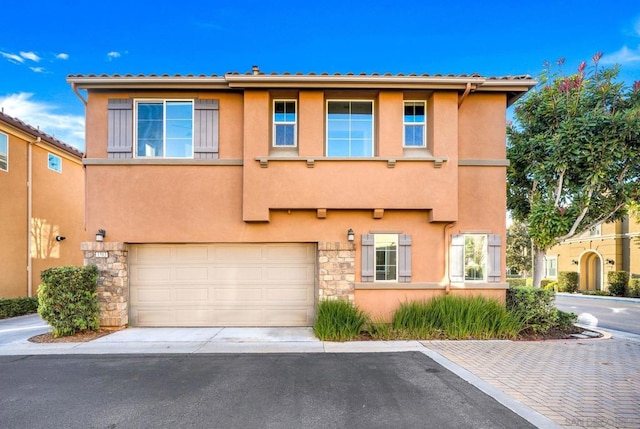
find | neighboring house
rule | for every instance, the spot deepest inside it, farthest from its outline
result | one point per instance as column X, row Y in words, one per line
column 42, row 188
column 607, row 247
column 244, row 199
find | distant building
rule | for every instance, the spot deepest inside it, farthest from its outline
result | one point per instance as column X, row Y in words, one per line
column 41, row 208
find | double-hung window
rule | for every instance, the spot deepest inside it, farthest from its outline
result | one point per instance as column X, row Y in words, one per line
column 414, row 124
column 349, row 128
column 551, row 267
column 4, row 152
column 284, row 123
column 386, row 248
column 54, row 163
column 475, row 258
column 164, row 128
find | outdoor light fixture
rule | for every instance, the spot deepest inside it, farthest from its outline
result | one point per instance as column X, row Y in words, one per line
column 100, row 235
column 574, row 262
column 351, row 235
column 610, row 261
column 60, row 238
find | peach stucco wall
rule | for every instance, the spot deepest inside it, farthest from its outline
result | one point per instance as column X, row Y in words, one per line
column 57, row 209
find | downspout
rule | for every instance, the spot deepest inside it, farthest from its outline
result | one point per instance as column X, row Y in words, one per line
column 466, row 92
column 30, row 214
column 447, row 289
column 75, row 89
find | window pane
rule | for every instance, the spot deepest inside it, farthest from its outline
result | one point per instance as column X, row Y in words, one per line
column 339, row 108
column 338, row 147
column 351, row 121
column 386, row 248
column 178, row 148
column 360, row 147
column 55, row 163
column 413, row 135
column 4, row 152
column 475, row 251
column 284, row 135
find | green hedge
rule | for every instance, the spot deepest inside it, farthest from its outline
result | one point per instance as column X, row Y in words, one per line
column 634, row 287
column 12, row 307
column 568, row 281
column 68, row 301
column 618, row 282
column 535, row 306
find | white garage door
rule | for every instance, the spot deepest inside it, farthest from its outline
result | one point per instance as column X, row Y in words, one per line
column 222, row 284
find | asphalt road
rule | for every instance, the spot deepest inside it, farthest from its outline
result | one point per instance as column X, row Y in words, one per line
column 603, row 313
column 375, row 390
column 18, row 328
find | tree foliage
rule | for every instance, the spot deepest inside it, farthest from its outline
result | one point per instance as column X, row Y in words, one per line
column 573, row 149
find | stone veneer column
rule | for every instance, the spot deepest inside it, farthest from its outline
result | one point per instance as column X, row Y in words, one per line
column 113, row 280
column 337, row 270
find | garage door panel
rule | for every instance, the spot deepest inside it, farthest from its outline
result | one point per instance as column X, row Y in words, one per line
column 223, row 285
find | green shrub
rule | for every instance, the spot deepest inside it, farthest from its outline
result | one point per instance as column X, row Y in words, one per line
column 534, row 306
column 339, row 320
column 618, row 282
column 515, row 282
column 565, row 320
column 568, row 281
column 545, row 282
column 596, row 292
column 68, row 301
column 456, row 317
column 634, row 287
column 12, row 307
column 552, row 286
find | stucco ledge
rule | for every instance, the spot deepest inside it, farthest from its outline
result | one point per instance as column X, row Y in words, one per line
column 96, row 246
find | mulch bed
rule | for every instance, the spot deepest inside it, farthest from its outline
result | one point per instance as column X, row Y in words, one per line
column 80, row 337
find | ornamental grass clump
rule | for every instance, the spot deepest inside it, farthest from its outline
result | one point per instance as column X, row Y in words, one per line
column 339, row 320
column 67, row 299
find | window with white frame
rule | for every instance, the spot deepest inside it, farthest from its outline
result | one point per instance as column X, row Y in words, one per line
column 386, row 248
column 284, row 123
column 4, row 152
column 164, row 128
column 349, row 128
column 475, row 257
column 54, row 162
column 414, row 124
column 551, row 267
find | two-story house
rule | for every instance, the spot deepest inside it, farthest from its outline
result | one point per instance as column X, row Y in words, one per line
column 41, row 208
column 244, row 199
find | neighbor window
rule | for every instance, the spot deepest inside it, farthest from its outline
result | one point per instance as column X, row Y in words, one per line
column 386, row 248
column 596, row 230
column 475, row 257
column 164, row 128
column 4, row 152
column 551, row 267
column 284, row 123
column 55, row 163
column 350, row 128
column 414, row 124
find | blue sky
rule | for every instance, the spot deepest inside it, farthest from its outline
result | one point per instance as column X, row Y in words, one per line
column 45, row 41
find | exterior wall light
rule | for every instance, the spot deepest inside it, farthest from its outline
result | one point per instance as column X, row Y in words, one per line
column 60, row 238
column 100, row 235
column 351, row 235
column 574, row 262
column 610, row 261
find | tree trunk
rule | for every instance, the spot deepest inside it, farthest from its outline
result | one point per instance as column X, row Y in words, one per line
column 538, row 266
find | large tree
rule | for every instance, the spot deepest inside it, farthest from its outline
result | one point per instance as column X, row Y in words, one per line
column 574, row 148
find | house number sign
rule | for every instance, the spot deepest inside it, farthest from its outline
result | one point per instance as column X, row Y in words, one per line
column 102, row 254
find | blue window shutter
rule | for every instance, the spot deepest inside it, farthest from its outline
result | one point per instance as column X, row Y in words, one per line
column 120, row 128
column 404, row 258
column 456, row 258
column 368, row 258
column 494, row 262
column 205, row 138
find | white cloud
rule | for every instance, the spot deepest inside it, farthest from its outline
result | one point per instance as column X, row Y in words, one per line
column 67, row 128
column 30, row 56
column 62, row 56
column 113, row 54
column 623, row 56
column 37, row 69
column 12, row 57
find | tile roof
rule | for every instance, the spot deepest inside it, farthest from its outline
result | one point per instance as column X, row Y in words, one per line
column 17, row 123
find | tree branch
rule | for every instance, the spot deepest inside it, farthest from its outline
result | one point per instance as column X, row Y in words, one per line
column 559, row 188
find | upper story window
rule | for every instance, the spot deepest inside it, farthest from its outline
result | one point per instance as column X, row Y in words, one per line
column 54, row 163
column 284, row 123
column 4, row 152
column 414, row 124
column 386, row 246
column 164, row 128
column 350, row 128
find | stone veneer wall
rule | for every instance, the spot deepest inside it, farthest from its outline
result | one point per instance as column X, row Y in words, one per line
column 336, row 269
column 113, row 280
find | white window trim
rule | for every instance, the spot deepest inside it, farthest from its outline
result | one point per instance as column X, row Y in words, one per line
column 7, row 154
column 424, row 124
column 164, row 121
column 485, row 252
column 294, row 123
column 546, row 267
column 373, row 123
column 375, row 255
column 49, row 156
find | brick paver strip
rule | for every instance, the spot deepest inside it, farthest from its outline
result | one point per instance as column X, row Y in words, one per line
column 575, row 383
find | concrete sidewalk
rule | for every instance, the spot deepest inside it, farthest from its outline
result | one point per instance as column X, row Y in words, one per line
column 562, row 383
